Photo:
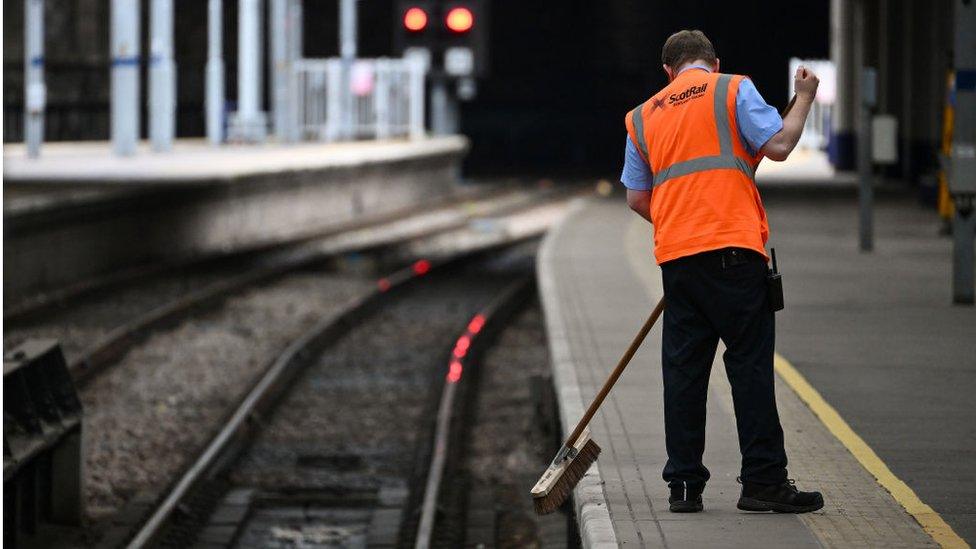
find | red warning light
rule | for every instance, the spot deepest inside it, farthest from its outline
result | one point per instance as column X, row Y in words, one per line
column 459, row 19
column 454, row 372
column 421, row 267
column 383, row 284
column 415, row 19
column 476, row 324
column 462, row 345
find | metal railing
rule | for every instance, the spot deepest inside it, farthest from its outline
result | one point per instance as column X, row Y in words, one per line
column 385, row 99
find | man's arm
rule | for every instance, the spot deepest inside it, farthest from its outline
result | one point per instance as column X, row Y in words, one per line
column 781, row 144
column 640, row 202
column 638, row 179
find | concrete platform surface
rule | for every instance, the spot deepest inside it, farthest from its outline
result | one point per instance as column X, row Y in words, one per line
column 598, row 282
column 804, row 168
column 193, row 160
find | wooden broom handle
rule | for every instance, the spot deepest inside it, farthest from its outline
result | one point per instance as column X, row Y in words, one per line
column 624, row 360
column 789, row 107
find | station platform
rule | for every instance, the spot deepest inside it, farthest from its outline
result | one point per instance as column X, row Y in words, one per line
column 875, row 371
column 79, row 211
column 193, row 160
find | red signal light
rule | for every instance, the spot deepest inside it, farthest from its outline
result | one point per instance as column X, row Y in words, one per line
column 462, row 346
column 476, row 323
column 454, row 372
column 415, row 19
column 421, row 267
column 459, row 19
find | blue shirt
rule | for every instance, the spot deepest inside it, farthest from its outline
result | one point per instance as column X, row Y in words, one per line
column 757, row 122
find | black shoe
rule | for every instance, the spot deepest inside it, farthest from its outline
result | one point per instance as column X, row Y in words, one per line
column 686, row 497
column 781, row 498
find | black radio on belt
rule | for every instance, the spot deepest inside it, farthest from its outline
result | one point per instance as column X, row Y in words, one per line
column 774, row 285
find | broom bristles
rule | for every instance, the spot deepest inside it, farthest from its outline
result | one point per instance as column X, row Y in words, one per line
column 570, row 477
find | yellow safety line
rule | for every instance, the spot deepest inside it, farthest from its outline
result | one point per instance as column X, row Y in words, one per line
column 931, row 521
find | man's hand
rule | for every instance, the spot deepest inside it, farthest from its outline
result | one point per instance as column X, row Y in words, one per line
column 781, row 144
column 640, row 202
column 805, row 83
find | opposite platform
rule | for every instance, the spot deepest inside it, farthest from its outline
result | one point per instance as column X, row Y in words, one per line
column 598, row 282
column 79, row 212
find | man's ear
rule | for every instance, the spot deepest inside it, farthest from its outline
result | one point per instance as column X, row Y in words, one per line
column 668, row 71
column 717, row 63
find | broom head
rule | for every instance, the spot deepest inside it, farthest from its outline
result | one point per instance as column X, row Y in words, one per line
column 564, row 473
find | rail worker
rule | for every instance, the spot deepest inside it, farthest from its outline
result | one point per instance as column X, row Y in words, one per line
column 691, row 153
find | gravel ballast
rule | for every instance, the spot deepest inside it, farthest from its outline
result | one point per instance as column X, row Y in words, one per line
column 149, row 415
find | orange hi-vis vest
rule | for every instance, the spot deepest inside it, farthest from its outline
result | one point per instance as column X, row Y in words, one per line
column 704, row 195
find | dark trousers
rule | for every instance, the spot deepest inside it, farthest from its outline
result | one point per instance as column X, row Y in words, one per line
column 712, row 295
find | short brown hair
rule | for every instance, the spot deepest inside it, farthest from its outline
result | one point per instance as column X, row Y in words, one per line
column 687, row 45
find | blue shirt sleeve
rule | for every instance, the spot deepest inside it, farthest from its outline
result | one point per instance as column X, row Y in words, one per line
column 637, row 174
column 757, row 121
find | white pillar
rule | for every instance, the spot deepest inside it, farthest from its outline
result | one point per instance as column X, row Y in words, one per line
column 280, row 67
column 125, row 76
column 248, row 123
column 215, row 72
column 296, row 29
column 443, row 108
column 162, row 76
column 347, row 29
column 418, row 76
column 347, row 50
column 296, row 23
column 35, row 93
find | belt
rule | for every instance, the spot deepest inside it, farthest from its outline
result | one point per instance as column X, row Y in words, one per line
column 730, row 257
column 737, row 256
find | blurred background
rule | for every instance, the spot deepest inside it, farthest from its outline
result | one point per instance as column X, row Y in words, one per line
column 559, row 75
column 300, row 267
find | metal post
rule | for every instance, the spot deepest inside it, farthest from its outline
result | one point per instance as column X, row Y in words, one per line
column 418, row 71
column 864, row 100
column 443, row 108
column 347, row 51
column 963, row 233
column 125, row 76
column 962, row 182
column 35, row 92
column 162, row 76
column 249, row 123
column 843, row 52
column 215, row 72
column 864, row 164
column 295, row 51
column 381, row 99
column 907, row 99
column 333, row 99
column 281, row 67
column 296, row 29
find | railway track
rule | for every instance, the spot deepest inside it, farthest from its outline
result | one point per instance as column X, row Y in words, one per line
column 98, row 324
column 178, row 373
column 348, row 436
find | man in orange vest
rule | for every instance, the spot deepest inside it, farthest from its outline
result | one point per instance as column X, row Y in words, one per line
column 692, row 151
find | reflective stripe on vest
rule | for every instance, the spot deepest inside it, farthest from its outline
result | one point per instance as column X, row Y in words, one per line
column 638, row 120
column 726, row 159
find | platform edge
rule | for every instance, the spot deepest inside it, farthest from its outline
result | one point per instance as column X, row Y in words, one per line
column 589, row 500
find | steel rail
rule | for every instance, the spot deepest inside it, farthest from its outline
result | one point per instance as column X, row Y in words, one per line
column 480, row 331
column 272, row 385
column 116, row 342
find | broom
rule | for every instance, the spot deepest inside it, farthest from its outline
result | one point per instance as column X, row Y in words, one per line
column 580, row 451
